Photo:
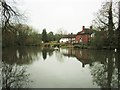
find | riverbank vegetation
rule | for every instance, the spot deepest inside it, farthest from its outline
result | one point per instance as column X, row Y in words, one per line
column 25, row 35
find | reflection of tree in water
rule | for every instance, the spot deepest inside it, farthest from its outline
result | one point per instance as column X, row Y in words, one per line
column 104, row 65
column 0, row 73
column 117, row 55
column 50, row 52
column 20, row 55
column 14, row 76
column 24, row 55
column 45, row 51
column 59, row 56
column 105, row 71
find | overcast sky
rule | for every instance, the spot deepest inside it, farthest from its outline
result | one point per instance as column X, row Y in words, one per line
column 70, row 15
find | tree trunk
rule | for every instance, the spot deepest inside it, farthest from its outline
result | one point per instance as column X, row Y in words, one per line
column 118, row 30
column 119, row 48
column 110, row 26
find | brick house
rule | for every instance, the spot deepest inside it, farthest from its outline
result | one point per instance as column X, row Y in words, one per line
column 84, row 35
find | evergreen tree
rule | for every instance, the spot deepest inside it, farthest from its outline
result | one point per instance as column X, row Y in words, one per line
column 44, row 36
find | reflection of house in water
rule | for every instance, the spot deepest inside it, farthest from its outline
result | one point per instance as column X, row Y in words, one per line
column 81, row 55
column 69, row 52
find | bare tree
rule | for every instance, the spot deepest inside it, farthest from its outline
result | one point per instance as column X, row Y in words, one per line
column 118, row 29
column 108, row 10
column 107, row 20
column 9, row 15
column 110, row 24
column 118, row 56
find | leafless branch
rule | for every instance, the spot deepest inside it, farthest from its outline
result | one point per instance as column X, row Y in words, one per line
column 8, row 15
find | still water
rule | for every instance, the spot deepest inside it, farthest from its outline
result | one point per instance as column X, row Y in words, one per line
column 36, row 67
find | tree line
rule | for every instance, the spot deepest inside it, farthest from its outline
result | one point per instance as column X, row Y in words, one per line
column 49, row 37
column 22, row 35
column 15, row 33
column 25, row 35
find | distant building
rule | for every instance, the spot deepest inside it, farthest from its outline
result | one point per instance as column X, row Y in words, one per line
column 81, row 37
column 84, row 35
column 70, row 38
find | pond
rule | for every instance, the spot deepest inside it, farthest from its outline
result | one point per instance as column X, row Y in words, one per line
column 35, row 67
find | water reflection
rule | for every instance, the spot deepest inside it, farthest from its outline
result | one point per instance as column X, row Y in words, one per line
column 105, row 70
column 14, row 61
column 46, row 51
column 20, row 55
column 14, row 76
column 14, row 73
column 104, row 65
column 80, row 55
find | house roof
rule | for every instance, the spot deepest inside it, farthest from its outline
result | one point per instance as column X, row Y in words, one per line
column 85, row 31
column 69, row 36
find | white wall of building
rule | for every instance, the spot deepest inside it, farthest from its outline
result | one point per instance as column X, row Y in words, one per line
column 63, row 40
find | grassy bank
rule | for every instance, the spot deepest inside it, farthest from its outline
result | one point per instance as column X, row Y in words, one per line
column 81, row 46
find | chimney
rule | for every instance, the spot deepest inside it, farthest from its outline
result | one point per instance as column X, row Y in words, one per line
column 83, row 28
column 90, row 27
